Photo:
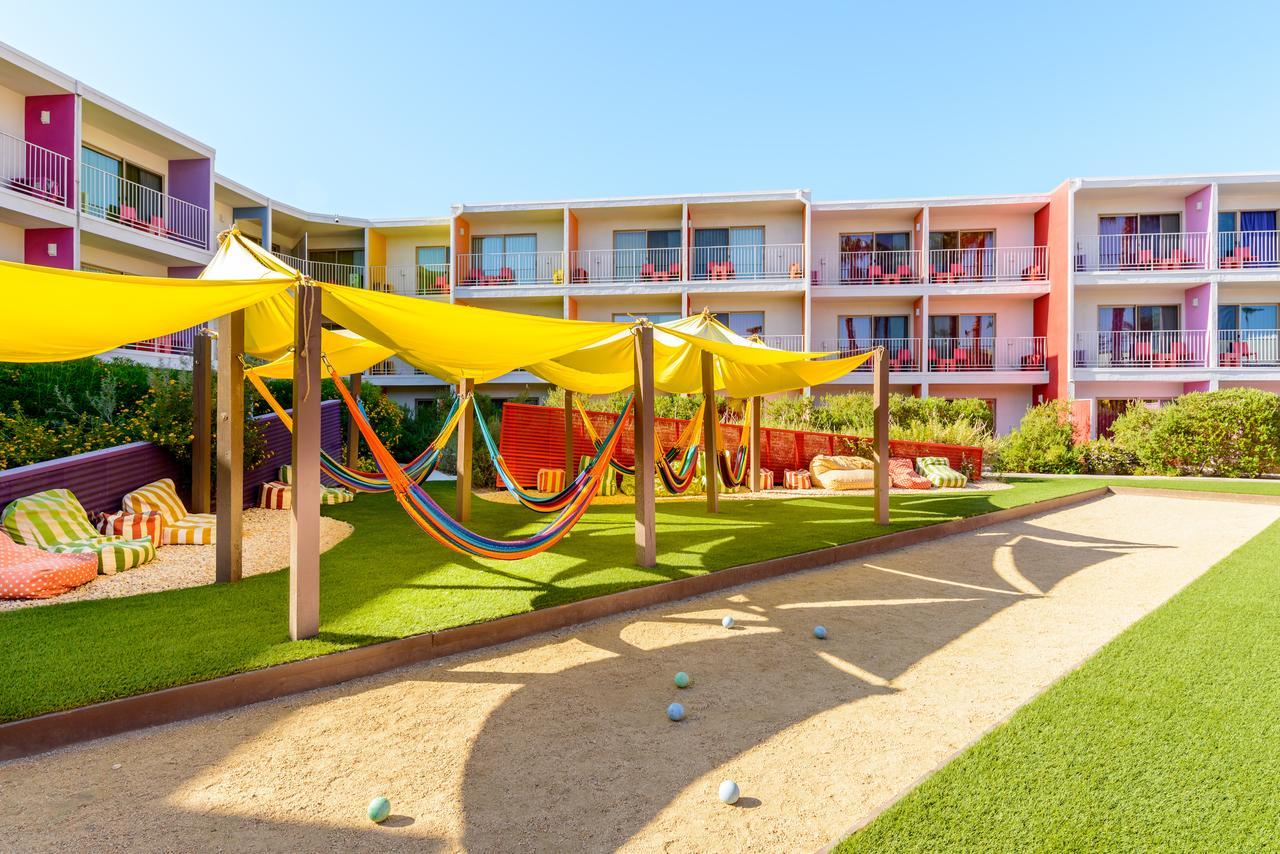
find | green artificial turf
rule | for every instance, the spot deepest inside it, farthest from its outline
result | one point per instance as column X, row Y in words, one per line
column 388, row 580
column 1167, row 740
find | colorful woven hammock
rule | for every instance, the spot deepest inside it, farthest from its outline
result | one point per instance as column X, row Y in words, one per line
column 532, row 500
column 418, row 469
column 446, row 530
column 686, row 449
column 733, row 464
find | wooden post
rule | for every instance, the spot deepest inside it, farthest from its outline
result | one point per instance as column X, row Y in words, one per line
column 880, row 440
column 466, row 436
column 710, row 432
column 754, row 459
column 642, row 423
column 202, row 428
column 353, row 432
column 228, row 558
column 304, row 527
column 570, row 464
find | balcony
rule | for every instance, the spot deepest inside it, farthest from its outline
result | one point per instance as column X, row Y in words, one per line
column 326, row 271
column 904, row 353
column 34, row 171
column 995, row 264
column 176, row 344
column 1249, row 348
column 790, row 343
column 963, row 355
column 1248, row 250
column 510, row 269
column 1108, row 253
column 112, row 198
column 625, row 266
column 1131, row 349
column 727, row 263
column 411, row 280
column 874, row 267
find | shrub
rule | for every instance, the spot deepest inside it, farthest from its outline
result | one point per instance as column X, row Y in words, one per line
column 1042, row 442
column 1104, row 456
column 1230, row 433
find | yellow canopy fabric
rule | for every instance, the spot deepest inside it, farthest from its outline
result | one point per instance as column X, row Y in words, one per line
column 268, row 325
column 53, row 315
column 345, row 350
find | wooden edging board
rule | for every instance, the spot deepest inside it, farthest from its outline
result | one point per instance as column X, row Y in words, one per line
column 50, row 731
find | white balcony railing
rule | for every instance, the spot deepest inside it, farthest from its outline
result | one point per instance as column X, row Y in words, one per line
column 34, row 171
column 722, row 263
column 790, row 343
column 903, row 353
column 995, row 264
column 411, row 280
column 176, row 344
column 951, row 355
column 1141, row 252
column 1167, row 348
column 1249, row 348
column 1248, row 250
column 350, row 275
column 510, row 268
column 592, row 266
column 110, row 197
column 878, row 267
column 395, row 368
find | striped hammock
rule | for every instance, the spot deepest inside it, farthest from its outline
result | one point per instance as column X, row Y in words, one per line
column 418, row 469
column 446, row 530
column 733, row 464
column 686, row 450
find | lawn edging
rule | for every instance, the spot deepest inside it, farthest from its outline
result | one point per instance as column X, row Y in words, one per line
column 31, row 736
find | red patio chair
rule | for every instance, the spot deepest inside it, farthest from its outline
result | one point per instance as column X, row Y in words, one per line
column 1180, row 353
column 957, row 272
column 1145, row 257
column 939, row 275
column 1142, row 351
column 506, row 274
column 904, row 272
column 157, row 225
column 727, row 269
column 875, row 272
column 129, row 216
column 674, row 270
column 937, row 364
column 646, row 271
column 962, row 355
column 580, row 276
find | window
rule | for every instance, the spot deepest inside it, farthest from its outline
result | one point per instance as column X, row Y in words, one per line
column 1247, row 239
column 857, row 253
column 1128, row 240
column 643, row 253
column 432, row 264
column 962, row 254
column 1142, row 318
column 654, row 316
column 962, row 326
column 500, row 254
column 962, row 239
column 1248, row 317
column 858, row 331
column 735, row 252
column 106, row 196
column 745, row 323
column 338, row 266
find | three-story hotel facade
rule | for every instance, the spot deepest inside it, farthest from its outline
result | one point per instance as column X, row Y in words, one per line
column 1102, row 290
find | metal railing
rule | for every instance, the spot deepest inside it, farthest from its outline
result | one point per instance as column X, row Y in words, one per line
column 394, row 367
column 1166, row 348
column 175, row 344
column 1141, row 252
column 790, row 343
column 951, row 355
column 1248, row 250
column 770, row 261
column 510, row 268
column 34, row 171
column 994, row 264
column 592, row 266
column 412, row 280
column 873, row 267
column 350, row 275
column 110, row 197
column 903, row 353
column 1249, row 348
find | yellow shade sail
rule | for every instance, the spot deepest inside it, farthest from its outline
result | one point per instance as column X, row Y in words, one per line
column 268, row 325
column 53, row 315
column 346, row 351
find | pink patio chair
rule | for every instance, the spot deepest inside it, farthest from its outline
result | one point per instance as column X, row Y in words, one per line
column 646, row 271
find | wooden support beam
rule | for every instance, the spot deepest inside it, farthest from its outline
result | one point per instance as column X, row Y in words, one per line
column 353, row 432
column 201, row 420
column 643, row 425
column 304, row 527
column 753, row 442
column 710, row 432
column 466, row 437
column 570, row 464
column 228, row 554
column 880, row 439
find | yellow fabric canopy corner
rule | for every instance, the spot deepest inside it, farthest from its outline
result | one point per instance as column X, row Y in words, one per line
column 347, row 352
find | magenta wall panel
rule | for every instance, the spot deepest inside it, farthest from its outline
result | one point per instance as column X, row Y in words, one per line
column 58, row 135
column 35, row 247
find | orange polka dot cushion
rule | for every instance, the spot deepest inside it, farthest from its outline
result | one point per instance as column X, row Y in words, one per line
column 27, row 572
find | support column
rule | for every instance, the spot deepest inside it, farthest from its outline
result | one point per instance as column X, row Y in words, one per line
column 304, row 527
column 201, row 420
column 466, row 437
column 643, row 426
column 880, row 439
column 570, row 464
column 753, row 442
column 228, row 553
column 353, row 432
column 710, row 432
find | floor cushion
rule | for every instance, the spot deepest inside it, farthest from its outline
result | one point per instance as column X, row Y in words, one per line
column 27, row 572
column 328, row 494
column 550, row 480
column 902, row 475
column 609, row 483
column 55, row 522
column 939, row 471
column 132, row 525
column 842, row 472
column 180, row 527
column 797, row 479
column 275, row 495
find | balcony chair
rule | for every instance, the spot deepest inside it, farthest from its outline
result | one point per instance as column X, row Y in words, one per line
column 1142, row 352
column 940, row 276
column 796, row 271
column 646, row 272
column 1145, row 259
column 904, row 273
column 1033, row 362
column 957, row 272
column 157, row 225
column 129, row 216
column 506, row 274
column 902, row 360
column 938, row 364
column 875, row 273
column 1180, row 353
column 1032, row 273
column 674, row 270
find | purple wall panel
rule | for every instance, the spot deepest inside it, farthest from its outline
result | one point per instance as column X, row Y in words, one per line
column 1196, row 307
column 59, row 135
column 35, row 247
column 1197, row 221
column 189, row 180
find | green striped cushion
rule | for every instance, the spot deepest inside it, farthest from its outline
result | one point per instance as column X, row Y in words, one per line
column 336, row 495
column 939, row 471
column 55, row 521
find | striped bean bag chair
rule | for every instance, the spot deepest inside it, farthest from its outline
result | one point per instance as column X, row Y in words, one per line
column 902, row 475
column 180, row 527
column 55, row 522
column 133, row 526
column 275, row 495
column 609, row 484
column 328, row 494
column 796, row 479
column 939, row 471
column 550, row 480
column 27, row 572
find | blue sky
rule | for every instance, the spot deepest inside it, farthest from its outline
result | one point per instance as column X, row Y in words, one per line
column 400, row 108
